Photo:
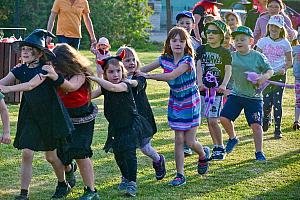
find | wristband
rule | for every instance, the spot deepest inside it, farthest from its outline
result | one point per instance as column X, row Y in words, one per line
column 59, row 81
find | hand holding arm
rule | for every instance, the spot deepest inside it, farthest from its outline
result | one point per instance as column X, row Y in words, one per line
column 119, row 87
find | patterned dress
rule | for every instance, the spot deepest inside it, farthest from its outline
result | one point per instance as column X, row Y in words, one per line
column 184, row 102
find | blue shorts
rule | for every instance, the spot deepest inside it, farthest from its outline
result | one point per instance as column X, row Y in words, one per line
column 253, row 109
column 74, row 42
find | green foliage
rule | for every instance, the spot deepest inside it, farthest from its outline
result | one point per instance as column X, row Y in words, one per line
column 123, row 22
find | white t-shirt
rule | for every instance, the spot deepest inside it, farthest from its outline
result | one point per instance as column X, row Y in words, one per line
column 275, row 51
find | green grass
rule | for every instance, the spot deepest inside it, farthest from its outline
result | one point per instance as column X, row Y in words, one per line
column 237, row 177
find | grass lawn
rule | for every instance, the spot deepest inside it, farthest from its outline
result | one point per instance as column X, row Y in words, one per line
column 239, row 176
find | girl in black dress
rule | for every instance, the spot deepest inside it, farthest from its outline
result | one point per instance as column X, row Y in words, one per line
column 127, row 129
column 132, row 64
column 43, row 122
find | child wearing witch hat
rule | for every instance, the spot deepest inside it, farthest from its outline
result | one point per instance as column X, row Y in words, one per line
column 43, row 122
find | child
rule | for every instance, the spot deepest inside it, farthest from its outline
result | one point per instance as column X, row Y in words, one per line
column 185, row 19
column 5, row 137
column 243, row 95
column 233, row 20
column 296, row 72
column 127, row 130
column 184, row 102
column 43, row 122
column 132, row 64
column 101, row 51
column 228, row 42
column 216, row 60
column 279, row 53
column 75, row 94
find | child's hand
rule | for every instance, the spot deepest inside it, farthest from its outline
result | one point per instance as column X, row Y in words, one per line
column 201, row 87
column 93, row 78
column 5, row 138
column 222, row 89
column 51, row 73
column 261, row 79
column 281, row 71
column 139, row 73
column 4, row 89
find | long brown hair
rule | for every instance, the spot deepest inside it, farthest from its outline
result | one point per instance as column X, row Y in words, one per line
column 70, row 62
column 184, row 35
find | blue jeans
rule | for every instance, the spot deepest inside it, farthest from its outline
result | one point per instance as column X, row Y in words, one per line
column 74, row 42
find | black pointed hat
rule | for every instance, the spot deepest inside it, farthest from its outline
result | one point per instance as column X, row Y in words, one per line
column 37, row 39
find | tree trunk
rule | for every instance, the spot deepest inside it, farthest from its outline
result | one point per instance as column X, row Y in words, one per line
column 169, row 15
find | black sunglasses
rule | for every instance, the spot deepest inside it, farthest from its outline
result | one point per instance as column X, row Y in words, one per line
column 215, row 32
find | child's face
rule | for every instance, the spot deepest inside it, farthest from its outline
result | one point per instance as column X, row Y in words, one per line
column 103, row 47
column 177, row 45
column 213, row 34
column 242, row 42
column 28, row 54
column 186, row 23
column 130, row 64
column 114, row 73
column 232, row 22
column 273, row 8
column 274, row 31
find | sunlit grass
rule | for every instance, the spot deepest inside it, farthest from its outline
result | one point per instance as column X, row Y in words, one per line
column 238, row 177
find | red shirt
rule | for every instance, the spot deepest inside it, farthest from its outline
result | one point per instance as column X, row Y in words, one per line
column 76, row 98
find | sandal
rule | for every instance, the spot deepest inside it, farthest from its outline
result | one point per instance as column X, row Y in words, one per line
column 296, row 125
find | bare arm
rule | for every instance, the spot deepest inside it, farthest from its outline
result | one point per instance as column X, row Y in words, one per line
column 265, row 76
column 226, row 79
column 151, row 66
column 8, row 79
column 73, row 84
column 50, row 25
column 89, row 26
column 96, row 93
column 199, row 74
column 119, row 87
column 169, row 76
column 30, row 85
column 196, row 29
column 288, row 59
column 5, row 138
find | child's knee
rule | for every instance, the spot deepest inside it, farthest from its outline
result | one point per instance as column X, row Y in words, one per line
column 256, row 128
column 51, row 157
column 213, row 122
column 27, row 155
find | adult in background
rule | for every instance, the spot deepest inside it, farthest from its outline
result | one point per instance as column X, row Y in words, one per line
column 274, row 7
column 259, row 6
column 201, row 9
column 70, row 13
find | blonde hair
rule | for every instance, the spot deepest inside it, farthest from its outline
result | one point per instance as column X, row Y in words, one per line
column 128, row 52
column 184, row 35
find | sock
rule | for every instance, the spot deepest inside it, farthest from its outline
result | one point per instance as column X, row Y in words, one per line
column 24, row 192
column 222, row 146
column 216, row 146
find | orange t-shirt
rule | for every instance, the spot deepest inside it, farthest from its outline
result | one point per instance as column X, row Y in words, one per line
column 69, row 17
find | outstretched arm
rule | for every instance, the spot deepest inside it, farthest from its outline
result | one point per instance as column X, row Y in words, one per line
column 8, row 79
column 119, row 87
column 169, row 76
column 150, row 67
column 5, row 138
column 30, row 85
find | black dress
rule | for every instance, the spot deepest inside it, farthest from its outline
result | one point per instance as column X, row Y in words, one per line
column 127, row 129
column 142, row 103
column 43, row 122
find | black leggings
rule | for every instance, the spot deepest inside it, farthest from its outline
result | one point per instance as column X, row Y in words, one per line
column 273, row 98
column 127, row 163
